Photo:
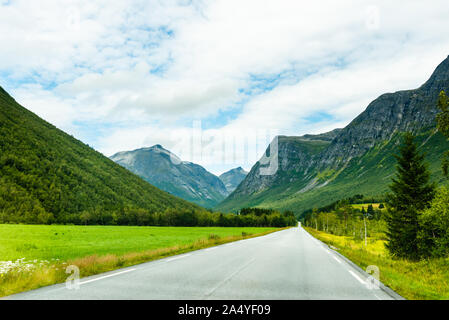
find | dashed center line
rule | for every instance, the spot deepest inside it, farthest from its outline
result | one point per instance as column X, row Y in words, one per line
column 227, row 278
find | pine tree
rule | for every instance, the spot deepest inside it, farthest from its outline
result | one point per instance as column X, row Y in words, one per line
column 411, row 193
column 370, row 212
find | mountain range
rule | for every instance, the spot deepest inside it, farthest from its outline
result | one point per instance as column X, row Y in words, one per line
column 184, row 179
column 315, row 170
column 48, row 176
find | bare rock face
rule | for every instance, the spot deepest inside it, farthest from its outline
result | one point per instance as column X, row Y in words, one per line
column 296, row 155
column 302, row 160
column 184, row 179
column 410, row 110
column 232, row 178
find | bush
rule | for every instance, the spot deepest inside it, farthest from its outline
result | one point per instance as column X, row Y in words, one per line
column 434, row 222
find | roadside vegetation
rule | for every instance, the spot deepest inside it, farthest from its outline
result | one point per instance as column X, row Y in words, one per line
column 409, row 240
column 32, row 256
column 427, row 279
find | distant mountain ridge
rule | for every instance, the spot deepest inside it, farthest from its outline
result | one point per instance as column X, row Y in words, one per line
column 48, row 176
column 233, row 178
column 315, row 170
column 166, row 171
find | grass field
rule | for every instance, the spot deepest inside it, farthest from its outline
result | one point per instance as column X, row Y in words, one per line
column 70, row 242
column 32, row 256
column 423, row 280
column 365, row 205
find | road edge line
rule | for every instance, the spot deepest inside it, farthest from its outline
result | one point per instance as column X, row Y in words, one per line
column 382, row 286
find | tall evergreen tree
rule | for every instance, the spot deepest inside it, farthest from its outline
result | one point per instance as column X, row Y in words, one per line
column 411, row 193
column 443, row 125
column 370, row 212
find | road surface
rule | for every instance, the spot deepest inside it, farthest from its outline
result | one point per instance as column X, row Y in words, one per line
column 288, row 264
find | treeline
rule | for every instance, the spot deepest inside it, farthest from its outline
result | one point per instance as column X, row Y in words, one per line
column 345, row 220
column 170, row 217
column 356, row 199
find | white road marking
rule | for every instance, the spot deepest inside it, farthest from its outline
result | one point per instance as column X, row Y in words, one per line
column 338, row 260
column 210, row 249
column 180, row 257
column 357, row 277
column 377, row 296
column 108, row 276
column 228, row 278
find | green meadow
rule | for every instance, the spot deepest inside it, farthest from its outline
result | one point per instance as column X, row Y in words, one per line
column 46, row 242
column 32, row 256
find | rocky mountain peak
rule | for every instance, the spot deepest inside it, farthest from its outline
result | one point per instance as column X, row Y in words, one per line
column 439, row 77
column 233, row 178
column 165, row 170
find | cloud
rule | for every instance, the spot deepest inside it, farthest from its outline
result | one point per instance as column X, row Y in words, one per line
column 143, row 71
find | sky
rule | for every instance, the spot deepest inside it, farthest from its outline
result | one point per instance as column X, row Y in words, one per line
column 213, row 81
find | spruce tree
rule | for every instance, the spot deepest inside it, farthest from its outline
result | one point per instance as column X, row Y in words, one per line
column 370, row 212
column 411, row 192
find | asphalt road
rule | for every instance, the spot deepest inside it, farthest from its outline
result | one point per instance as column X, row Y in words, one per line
column 289, row 264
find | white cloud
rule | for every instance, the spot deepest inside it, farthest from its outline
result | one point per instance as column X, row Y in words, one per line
column 150, row 67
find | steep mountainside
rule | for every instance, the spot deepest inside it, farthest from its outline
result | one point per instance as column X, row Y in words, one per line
column 356, row 159
column 184, row 179
column 47, row 175
column 232, row 178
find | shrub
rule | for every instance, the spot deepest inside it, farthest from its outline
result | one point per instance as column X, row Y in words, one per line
column 434, row 222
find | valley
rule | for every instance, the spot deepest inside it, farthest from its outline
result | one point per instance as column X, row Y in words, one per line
column 223, row 150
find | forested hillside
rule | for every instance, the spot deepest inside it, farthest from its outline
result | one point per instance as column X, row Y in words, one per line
column 48, row 176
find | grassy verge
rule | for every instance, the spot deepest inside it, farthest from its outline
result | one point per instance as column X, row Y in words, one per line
column 32, row 274
column 423, row 280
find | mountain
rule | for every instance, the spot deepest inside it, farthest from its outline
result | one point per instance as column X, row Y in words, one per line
column 47, row 175
column 315, row 170
column 232, row 178
column 166, row 171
